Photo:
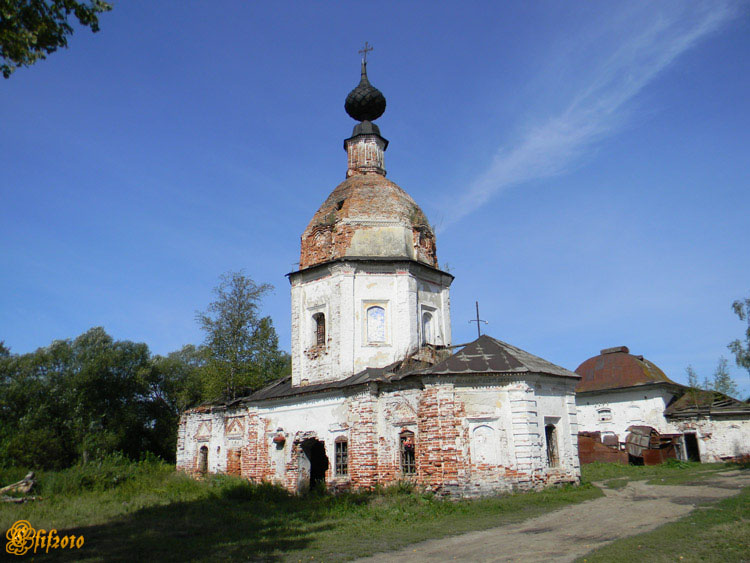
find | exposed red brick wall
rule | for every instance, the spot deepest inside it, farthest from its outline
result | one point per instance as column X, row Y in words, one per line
column 439, row 463
column 363, row 443
column 255, row 459
column 234, row 461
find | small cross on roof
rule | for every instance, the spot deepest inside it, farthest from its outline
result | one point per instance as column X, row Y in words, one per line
column 364, row 50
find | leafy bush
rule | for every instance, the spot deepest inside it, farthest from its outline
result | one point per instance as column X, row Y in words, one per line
column 109, row 472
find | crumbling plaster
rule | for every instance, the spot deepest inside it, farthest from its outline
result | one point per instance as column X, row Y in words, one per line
column 719, row 438
column 343, row 291
column 473, row 436
column 629, row 406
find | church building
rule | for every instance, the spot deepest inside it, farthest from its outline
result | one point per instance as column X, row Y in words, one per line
column 378, row 393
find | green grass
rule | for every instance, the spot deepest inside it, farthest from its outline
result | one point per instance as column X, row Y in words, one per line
column 148, row 511
column 717, row 533
column 673, row 472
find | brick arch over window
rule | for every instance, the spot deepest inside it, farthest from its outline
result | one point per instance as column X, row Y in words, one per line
column 320, row 329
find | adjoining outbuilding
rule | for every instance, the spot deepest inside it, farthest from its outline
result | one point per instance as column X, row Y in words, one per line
column 627, row 404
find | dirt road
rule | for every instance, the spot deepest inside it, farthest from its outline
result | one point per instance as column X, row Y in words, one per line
column 573, row 531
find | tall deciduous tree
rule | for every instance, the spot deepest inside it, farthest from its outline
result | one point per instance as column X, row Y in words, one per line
column 32, row 29
column 242, row 347
column 740, row 348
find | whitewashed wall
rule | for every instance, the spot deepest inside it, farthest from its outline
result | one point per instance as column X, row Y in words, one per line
column 718, row 438
column 344, row 292
column 634, row 405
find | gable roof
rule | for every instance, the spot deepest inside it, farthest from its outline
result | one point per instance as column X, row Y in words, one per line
column 699, row 402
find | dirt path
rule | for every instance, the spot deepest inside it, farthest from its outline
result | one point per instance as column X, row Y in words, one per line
column 573, row 531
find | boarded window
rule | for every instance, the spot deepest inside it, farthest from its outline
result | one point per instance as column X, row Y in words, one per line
column 203, row 459
column 375, row 324
column 408, row 465
column 342, row 458
column 427, row 329
column 320, row 329
column 550, row 433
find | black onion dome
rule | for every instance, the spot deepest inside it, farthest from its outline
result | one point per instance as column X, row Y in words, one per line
column 365, row 102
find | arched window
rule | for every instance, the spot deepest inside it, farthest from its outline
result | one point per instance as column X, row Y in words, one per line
column 427, row 330
column 320, row 329
column 203, row 459
column 408, row 462
column 375, row 324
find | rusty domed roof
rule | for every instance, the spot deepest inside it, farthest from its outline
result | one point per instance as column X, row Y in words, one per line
column 614, row 368
column 368, row 216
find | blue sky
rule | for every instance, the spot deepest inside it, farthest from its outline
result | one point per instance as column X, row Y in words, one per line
column 586, row 165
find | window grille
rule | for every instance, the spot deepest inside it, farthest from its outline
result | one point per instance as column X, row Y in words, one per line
column 320, row 329
column 408, row 464
column 342, row 458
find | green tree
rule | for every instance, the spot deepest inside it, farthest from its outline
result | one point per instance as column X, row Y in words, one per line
column 741, row 349
column 86, row 397
column 242, row 347
column 179, row 382
column 692, row 377
column 723, row 382
column 32, row 29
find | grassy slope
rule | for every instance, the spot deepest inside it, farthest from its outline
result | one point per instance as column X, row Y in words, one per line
column 148, row 511
column 151, row 512
column 717, row 533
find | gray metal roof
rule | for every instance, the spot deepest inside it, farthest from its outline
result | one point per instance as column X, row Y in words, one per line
column 484, row 356
column 488, row 355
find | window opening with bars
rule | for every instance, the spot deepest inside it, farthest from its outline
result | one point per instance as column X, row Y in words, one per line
column 408, row 464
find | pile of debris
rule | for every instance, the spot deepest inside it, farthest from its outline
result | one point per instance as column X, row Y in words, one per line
column 23, row 486
column 646, row 446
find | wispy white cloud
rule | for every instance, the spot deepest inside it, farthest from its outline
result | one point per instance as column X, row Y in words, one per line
column 658, row 37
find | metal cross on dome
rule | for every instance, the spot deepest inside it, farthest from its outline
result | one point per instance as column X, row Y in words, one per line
column 364, row 50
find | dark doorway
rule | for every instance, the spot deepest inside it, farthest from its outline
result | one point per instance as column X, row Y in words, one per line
column 203, row 459
column 315, row 451
column 691, row 447
column 550, row 434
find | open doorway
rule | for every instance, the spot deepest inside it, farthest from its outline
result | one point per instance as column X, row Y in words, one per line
column 550, row 434
column 316, row 461
column 691, row 447
column 203, row 459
